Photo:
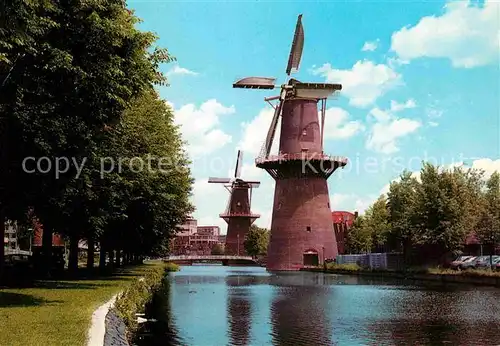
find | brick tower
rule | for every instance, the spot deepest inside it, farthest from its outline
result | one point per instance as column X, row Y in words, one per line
column 238, row 215
column 301, row 229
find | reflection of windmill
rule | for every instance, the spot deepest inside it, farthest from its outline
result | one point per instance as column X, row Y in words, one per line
column 301, row 230
column 238, row 213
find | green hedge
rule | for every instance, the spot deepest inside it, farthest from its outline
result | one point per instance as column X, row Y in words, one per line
column 139, row 293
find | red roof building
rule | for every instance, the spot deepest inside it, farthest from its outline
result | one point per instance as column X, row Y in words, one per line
column 342, row 222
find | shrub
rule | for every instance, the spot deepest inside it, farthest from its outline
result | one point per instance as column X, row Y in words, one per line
column 348, row 267
column 140, row 292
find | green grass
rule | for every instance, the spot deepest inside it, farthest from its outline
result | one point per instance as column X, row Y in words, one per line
column 57, row 313
column 351, row 268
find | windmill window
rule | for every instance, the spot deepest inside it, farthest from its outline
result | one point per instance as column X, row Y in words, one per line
column 328, row 205
column 308, row 229
column 238, row 204
column 304, row 133
column 279, row 206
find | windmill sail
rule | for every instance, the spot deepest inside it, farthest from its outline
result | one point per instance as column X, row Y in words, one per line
column 219, row 180
column 272, row 129
column 297, row 46
column 237, row 170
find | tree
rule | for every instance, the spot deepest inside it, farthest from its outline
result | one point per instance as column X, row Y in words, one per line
column 359, row 238
column 488, row 230
column 218, row 249
column 445, row 200
column 256, row 241
column 376, row 222
column 68, row 71
column 402, row 202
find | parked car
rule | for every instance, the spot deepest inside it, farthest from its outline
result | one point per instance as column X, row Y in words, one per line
column 458, row 261
column 469, row 263
column 484, row 261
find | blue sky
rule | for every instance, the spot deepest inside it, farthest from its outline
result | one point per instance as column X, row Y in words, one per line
column 420, row 82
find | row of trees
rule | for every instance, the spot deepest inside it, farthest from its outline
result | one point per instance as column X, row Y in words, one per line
column 77, row 89
column 438, row 210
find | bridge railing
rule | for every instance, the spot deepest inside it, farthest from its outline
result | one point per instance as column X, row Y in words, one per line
column 208, row 257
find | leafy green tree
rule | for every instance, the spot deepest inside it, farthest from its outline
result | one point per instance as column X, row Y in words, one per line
column 68, row 71
column 256, row 241
column 488, row 230
column 402, row 204
column 376, row 222
column 444, row 199
column 359, row 237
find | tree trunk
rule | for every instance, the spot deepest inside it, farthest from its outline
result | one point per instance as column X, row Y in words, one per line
column 117, row 258
column 47, row 250
column 90, row 252
column 73, row 255
column 102, row 255
column 2, row 236
column 111, row 255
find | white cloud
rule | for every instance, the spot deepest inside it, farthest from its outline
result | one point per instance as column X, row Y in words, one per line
column 364, row 83
column 433, row 124
column 208, row 208
column 180, row 71
column 337, row 125
column 200, row 126
column 396, row 107
column 466, row 33
column 388, row 128
column 255, row 132
column 370, row 46
column 354, row 202
column 485, row 164
column 351, row 202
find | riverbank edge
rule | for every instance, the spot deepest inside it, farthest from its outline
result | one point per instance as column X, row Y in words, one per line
column 119, row 314
column 444, row 278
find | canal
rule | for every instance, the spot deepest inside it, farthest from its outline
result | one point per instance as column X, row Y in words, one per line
column 216, row 305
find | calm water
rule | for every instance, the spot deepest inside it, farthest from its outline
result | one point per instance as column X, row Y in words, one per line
column 215, row 305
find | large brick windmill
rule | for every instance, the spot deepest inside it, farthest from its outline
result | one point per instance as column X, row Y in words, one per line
column 301, row 229
column 238, row 213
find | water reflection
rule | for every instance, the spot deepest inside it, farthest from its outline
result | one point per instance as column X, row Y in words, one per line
column 455, row 315
column 239, row 310
column 247, row 306
column 298, row 310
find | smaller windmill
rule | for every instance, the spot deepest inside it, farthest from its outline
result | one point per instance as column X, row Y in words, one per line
column 238, row 213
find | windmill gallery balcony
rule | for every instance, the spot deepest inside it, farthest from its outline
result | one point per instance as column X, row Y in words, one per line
column 239, row 214
column 301, row 156
column 321, row 164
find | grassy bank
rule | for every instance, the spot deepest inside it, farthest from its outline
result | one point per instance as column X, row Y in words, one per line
column 138, row 294
column 472, row 276
column 59, row 312
column 354, row 268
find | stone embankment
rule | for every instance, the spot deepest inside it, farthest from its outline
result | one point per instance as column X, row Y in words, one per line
column 114, row 322
column 116, row 330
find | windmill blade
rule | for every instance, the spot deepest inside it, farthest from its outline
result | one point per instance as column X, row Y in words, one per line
column 219, row 180
column 272, row 128
column 255, row 83
column 297, row 46
column 315, row 90
column 253, row 184
column 237, row 170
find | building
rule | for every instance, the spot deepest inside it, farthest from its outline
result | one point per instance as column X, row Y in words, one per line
column 192, row 239
column 342, row 222
column 10, row 238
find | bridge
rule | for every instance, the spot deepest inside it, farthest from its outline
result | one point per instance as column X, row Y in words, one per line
column 224, row 259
